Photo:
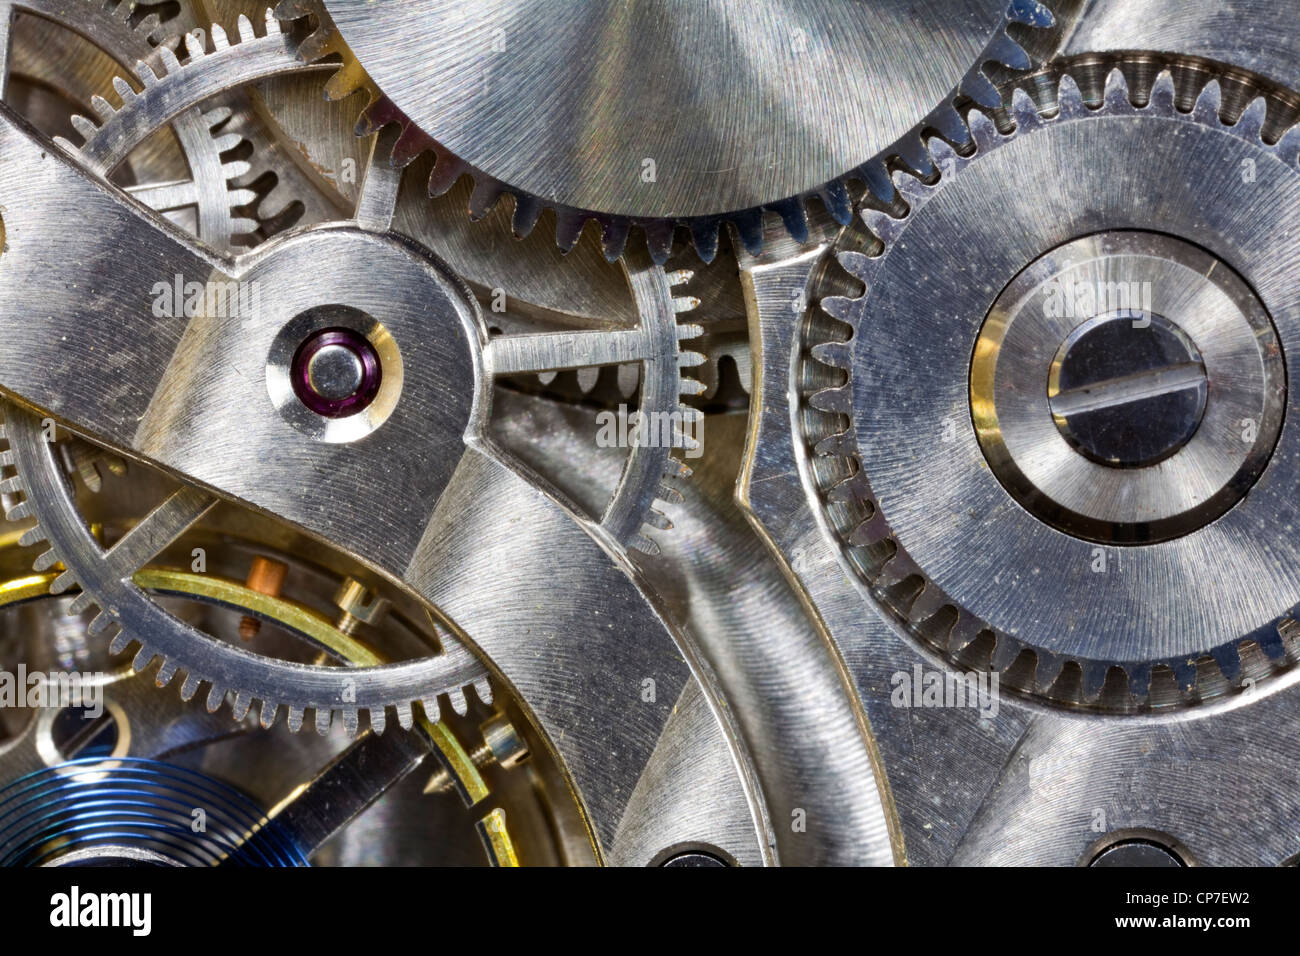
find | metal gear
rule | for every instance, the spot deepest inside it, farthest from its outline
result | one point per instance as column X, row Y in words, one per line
column 106, row 580
column 916, row 506
column 706, row 183
column 140, row 47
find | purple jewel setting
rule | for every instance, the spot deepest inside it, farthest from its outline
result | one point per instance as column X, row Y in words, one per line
column 360, row 397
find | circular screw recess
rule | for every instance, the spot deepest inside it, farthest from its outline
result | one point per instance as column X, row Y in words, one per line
column 336, row 372
column 1127, row 390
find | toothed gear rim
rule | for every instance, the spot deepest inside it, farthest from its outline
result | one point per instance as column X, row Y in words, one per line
column 276, row 686
column 927, row 525
column 474, row 127
column 106, row 24
column 249, row 57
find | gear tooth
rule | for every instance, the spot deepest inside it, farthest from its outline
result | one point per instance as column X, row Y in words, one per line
column 911, row 150
column 121, row 12
column 82, row 603
column 704, row 235
column 1162, row 92
column 295, row 718
column 568, row 228
column 146, row 73
column 194, row 44
column 1008, row 52
column 613, row 237
column 272, row 24
column 266, row 716
column 587, row 378
column 658, row 521
column 793, row 217
column 169, row 60
column 239, row 709
column 659, row 240
column 1288, row 147
column 238, row 197
column 839, row 307
column 950, row 125
column 1115, row 95
column 982, row 130
column 413, row 142
column 378, row 720
column 447, row 170
column 432, row 712
column 119, row 643
column 11, row 486
column 1031, row 13
column 19, row 512
column 1094, row 678
column 643, row 544
column 485, row 195
column 980, row 89
column 686, row 303
column 65, row 582
column 483, row 688
column 911, row 189
column 30, row 537
column 101, row 623
column 245, row 28
column 1208, row 104
column 101, row 106
column 1049, row 669
column 678, row 277
column 1069, row 98
column 190, row 686
column 1270, row 642
column 690, row 386
column 835, row 197
column 316, row 46
column 749, row 227
column 838, row 400
column 351, row 721
column 1251, row 122
column 165, row 673
column 835, row 354
column 1228, row 659
column 7, row 456
column 219, row 39
column 43, row 561
column 458, row 702
column 123, row 88
column 943, row 156
column 292, row 9
column 216, row 694
column 1024, row 112
column 226, row 142
column 144, row 656
column 1139, row 681
column 240, row 226
column 405, row 719
column 527, row 211
column 690, row 359
column 1185, row 674
column 85, row 126
column 670, row 495
column 676, row 468
column 628, row 377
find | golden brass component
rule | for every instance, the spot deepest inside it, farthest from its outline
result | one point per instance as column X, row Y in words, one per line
column 265, row 576
column 295, row 617
column 359, row 605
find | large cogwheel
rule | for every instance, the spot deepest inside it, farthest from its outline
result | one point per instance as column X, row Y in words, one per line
column 1053, row 436
column 139, row 45
column 703, row 113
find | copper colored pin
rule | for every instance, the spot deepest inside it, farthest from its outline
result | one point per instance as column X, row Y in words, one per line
column 265, row 576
